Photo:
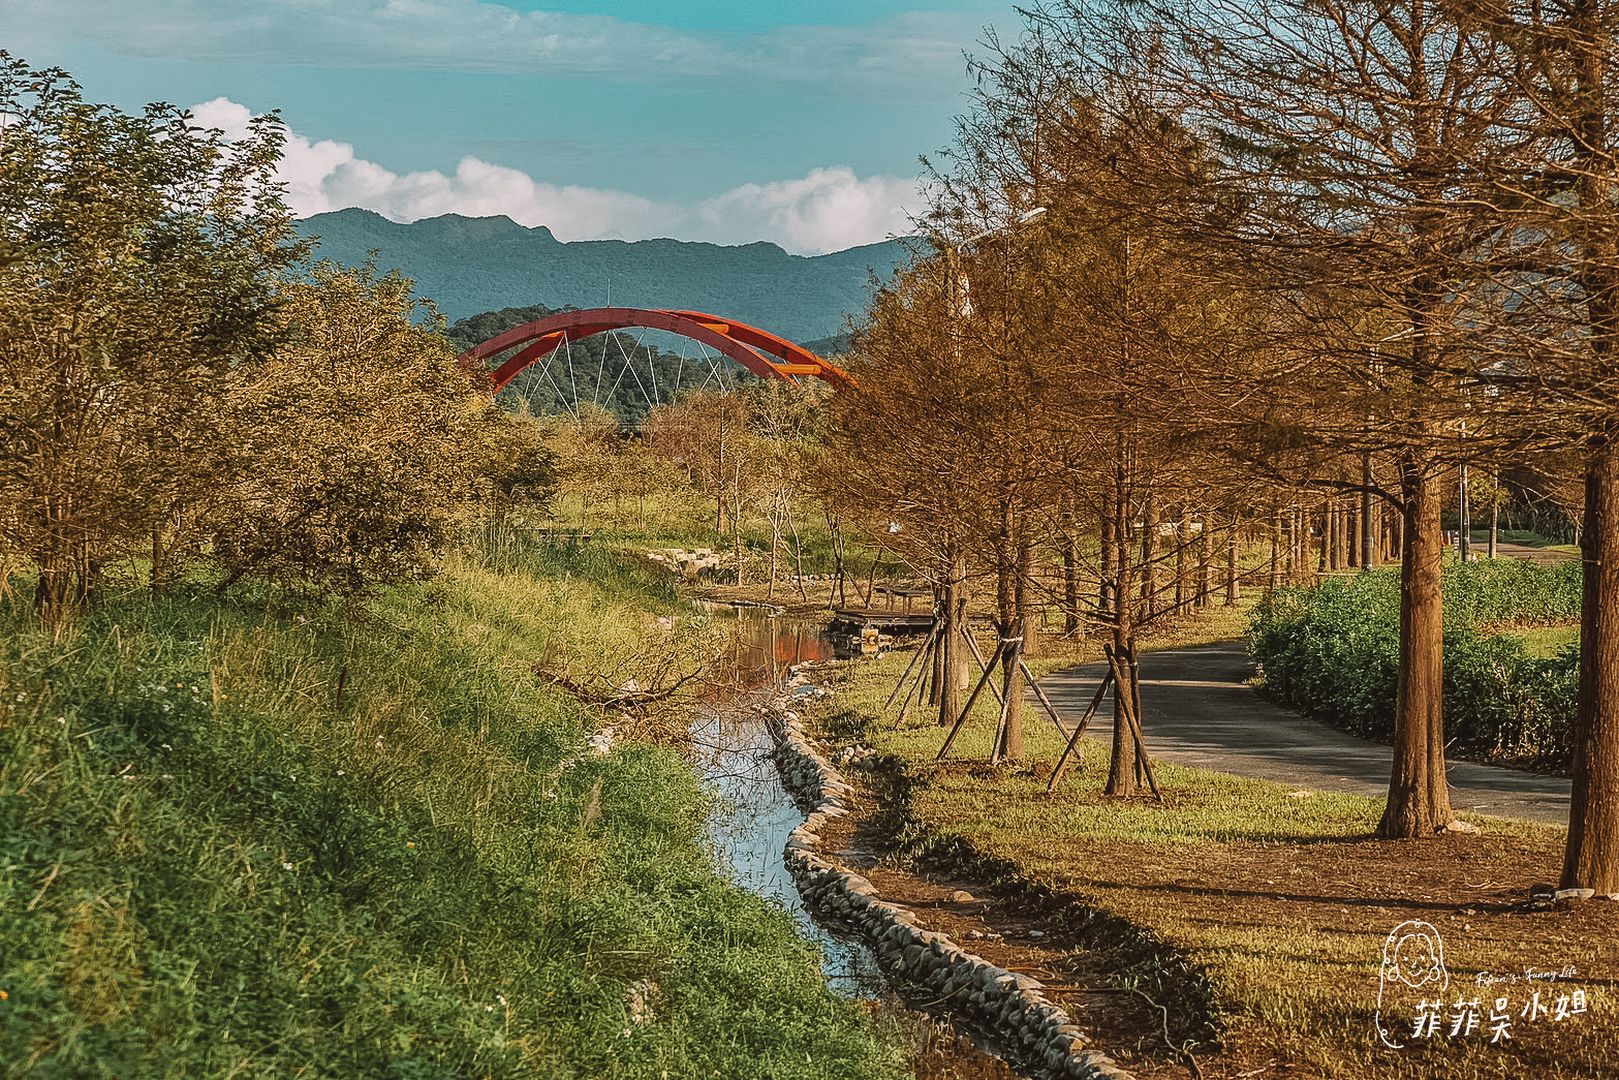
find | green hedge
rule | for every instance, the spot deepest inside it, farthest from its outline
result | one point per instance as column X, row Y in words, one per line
column 1494, row 591
column 1332, row 651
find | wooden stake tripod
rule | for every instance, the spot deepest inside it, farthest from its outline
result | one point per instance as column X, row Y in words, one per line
column 920, row 664
column 1121, row 671
column 921, row 658
column 1014, row 646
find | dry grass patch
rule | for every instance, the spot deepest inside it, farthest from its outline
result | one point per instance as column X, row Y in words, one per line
column 1283, row 900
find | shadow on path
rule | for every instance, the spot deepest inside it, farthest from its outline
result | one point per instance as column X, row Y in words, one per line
column 1199, row 710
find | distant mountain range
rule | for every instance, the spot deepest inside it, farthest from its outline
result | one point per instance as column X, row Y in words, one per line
column 473, row 265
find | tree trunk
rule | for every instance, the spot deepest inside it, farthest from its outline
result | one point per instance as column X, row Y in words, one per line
column 1276, row 552
column 1104, row 577
column 1233, row 587
column 1009, row 745
column 798, row 557
column 1149, row 558
column 936, row 662
column 954, row 648
column 836, row 592
column 1121, row 772
column 1121, row 769
column 1464, row 519
column 1591, row 860
column 1070, row 583
column 1370, row 517
column 775, row 548
column 53, row 593
column 1022, row 627
column 159, row 577
column 1495, row 525
column 1324, row 545
column 1014, row 555
column 1292, row 544
column 1419, row 795
column 1205, row 572
column 1180, row 566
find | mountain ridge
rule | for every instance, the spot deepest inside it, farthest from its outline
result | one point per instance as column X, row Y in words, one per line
column 471, row 265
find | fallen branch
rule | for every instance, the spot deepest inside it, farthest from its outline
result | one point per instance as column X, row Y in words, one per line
column 628, row 700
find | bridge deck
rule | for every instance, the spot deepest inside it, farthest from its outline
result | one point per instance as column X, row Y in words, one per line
column 853, row 620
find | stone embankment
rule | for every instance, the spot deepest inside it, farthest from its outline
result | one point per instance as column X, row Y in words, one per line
column 689, row 564
column 1006, row 1006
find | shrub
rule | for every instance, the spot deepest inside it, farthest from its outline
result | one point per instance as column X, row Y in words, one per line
column 1494, row 591
column 1332, row 651
column 355, row 447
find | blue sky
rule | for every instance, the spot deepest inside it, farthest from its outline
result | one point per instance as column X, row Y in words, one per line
column 722, row 120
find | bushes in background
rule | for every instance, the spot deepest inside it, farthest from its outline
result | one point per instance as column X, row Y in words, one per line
column 1332, row 651
column 1494, row 591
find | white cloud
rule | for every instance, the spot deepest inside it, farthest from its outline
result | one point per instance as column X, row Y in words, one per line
column 827, row 210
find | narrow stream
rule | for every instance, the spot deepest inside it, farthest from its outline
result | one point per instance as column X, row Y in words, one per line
column 753, row 813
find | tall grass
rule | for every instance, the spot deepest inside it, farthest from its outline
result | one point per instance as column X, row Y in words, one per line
column 239, row 841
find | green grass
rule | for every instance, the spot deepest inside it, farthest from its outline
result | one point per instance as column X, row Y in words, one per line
column 239, row 840
column 1525, row 538
column 685, row 518
column 1545, row 642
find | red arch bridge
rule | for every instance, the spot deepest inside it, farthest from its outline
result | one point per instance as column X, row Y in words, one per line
column 539, row 343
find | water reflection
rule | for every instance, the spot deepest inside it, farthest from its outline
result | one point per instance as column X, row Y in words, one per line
column 753, row 812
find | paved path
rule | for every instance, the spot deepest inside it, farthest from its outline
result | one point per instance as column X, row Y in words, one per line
column 1521, row 551
column 1199, row 710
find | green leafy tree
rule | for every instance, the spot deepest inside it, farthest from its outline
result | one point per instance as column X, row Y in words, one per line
column 356, row 447
column 139, row 261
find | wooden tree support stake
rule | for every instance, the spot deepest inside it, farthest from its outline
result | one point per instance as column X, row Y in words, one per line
column 921, row 678
column 927, row 647
column 978, row 656
column 1040, row 695
column 1079, row 729
column 955, row 729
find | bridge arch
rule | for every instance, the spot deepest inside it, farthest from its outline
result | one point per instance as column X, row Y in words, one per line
column 761, row 352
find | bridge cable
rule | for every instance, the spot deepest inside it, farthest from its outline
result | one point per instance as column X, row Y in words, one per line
column 704, row 355
column 651, row 368
column 545, row 369
column 595, row 395
column 634, row 374
column 573, row 380
column 715, row 369
column 680, row 374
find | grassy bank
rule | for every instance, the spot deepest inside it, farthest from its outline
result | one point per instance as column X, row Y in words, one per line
column 1278, row 904
column 242, row 840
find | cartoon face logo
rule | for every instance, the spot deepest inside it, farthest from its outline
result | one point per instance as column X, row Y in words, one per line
column 1413, row 959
